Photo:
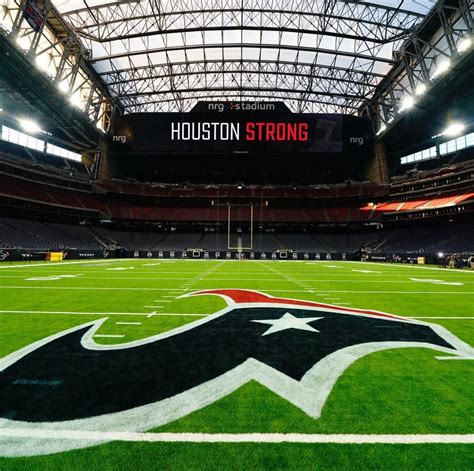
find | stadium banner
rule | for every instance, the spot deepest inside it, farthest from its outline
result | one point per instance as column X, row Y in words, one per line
column 431, row 259
column 19, row 255
column 239, row 127
column 236, row 255
column 23, row 255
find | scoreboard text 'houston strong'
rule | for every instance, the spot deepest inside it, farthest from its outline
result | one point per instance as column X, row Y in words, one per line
column 254, row 131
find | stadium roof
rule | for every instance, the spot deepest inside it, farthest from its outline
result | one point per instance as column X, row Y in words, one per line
column 315, row 55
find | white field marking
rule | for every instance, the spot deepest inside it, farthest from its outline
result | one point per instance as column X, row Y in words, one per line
column 163, row 301
column 437, row 282
column 332, row 266
column 154, row 307
column 312, row 262
column 112, row 336
column 151, row 314
column 151, row 264
column 128, row 323
column 168, row 296
column 85, row 288
column 120, row 268
column 52, row 277
column 439, row 317
column 449, row 358
column 273, row 280
column 269, row 289
column 94, row 435
column 78, row 313
column 426, row 280
column 451, row 283
column 453, row 273
column 400, row 265
column 366, row 271
column 365, row 292
column 62, row 264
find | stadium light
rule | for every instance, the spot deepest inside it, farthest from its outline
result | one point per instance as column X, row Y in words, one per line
column 454, row 129
column 464, row 44
column 440, row 254
column 76, row 101
column 63, row 86
column 99, row 126
column 421, row 89
column 30, row 126
column 23, row 42
column 42, row 62
column 442, row 68
column 407, row 103
column 381, row 130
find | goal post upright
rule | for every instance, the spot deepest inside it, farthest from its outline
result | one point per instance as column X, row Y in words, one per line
column 239, row 246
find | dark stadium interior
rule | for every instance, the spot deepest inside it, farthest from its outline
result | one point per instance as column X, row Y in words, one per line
column 426, row 210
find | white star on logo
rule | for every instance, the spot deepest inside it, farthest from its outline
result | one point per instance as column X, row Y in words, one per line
column 288, row 321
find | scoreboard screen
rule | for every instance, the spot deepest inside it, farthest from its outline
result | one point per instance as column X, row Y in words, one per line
column 239, row 127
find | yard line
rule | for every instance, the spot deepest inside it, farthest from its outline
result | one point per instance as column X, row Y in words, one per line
column 178, row 314
column 200, row 288
column 93, row 435
column 453, row 273
column 154, row 307
column 439, row 317
column 365, row 292
column 79, row 313
column 61, row 264
column 128, row 323
column 86, row 288
column 399, row 265
column 273, row 280
column 112, row 336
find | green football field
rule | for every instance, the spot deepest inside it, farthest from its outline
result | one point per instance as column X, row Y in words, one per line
column 389, row 394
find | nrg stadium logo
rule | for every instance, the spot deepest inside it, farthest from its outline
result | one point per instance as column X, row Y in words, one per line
column 220, row 106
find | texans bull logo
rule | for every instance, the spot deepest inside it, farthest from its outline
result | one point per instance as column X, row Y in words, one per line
column 296, row 348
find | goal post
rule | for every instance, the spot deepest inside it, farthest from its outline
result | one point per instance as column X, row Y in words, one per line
column 240, row 246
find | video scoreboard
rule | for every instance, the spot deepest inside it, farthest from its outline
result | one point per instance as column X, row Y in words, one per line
column 239, row 128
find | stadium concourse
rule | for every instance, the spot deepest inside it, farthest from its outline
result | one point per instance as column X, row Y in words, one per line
column 237, row 235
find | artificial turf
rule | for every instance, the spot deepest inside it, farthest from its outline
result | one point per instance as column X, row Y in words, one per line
column 403, row 391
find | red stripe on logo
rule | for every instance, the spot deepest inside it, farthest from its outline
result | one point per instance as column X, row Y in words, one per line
column 239, row 296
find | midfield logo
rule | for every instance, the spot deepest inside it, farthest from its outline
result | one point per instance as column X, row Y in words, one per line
column 298, row 349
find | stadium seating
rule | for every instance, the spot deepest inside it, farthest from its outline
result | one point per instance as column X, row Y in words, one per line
column 29, row 234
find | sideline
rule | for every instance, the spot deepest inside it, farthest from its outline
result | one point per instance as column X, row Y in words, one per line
column 233, row 437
